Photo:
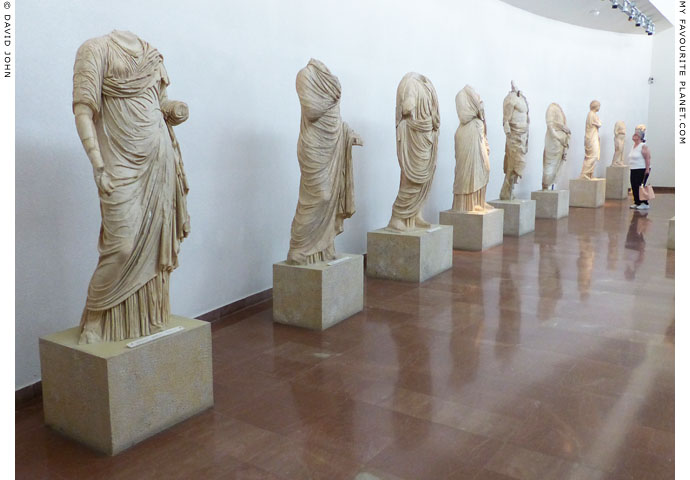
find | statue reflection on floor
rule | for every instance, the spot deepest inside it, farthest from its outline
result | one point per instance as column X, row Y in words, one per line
column 508, row 333
column 585, row 264
column 550, row 288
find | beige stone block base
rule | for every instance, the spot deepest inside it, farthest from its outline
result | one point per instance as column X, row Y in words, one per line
column 320, row 295
column 518, row 216
column 587, row 193
column 475, row 231
column 413, row 256
column 551, row 203
column 617, row 182
column 671, row 243
column 110, row 397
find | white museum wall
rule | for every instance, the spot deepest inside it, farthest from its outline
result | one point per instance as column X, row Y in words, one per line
column 660, row 126
column 235, row 63
column 667, row 8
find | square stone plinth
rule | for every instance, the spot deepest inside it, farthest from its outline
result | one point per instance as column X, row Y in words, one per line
column 518, row 216
column 617, row 182
column 475, row 231
column 551, row 203
column 671, row 243
column 320, row 295
column 110, row 397
column 587, row 193
column 412, row 256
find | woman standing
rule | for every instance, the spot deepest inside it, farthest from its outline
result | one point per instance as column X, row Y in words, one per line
column 417, row 122
column 639, row 160
column 471, row 154
column 124, row 119
column 324, row 151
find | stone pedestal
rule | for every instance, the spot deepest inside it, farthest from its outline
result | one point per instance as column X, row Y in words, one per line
column 617, row 182
column 412, row 256
column 518, row 216
column 320, row 295
column 110, row 397
column 551, row 203
column 474, row 231
column 587, row 193
column 671, row 242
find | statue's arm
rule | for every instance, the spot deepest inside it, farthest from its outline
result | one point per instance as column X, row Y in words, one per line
column 508, row 108
column 356, row 139
column 86, row 128
column 175, row 112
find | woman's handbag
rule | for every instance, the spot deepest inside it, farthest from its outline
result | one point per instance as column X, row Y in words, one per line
column 646, row 191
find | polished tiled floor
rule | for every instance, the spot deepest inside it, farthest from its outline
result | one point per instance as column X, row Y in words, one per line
column 550, row 357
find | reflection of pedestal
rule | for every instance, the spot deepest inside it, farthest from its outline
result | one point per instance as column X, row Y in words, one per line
column 617, row 182
column 587, row 193
column 551, row 203
column 474, row 230
column 320, row 295
column 671, row 242
column 412, row 256
column 110, row 397
column 518, row 216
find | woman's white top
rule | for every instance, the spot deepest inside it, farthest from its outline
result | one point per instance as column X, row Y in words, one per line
column 635, row 158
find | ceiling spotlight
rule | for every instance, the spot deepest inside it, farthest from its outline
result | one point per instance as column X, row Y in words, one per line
column 594, row 12
column 628, row 7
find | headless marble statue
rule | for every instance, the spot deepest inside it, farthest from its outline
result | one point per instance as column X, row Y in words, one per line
column 471, row 154
column 417, row 123
column 124, row 120
column 324, row 152
column 619, row 144
column 516, row 128
column 555, row 144
column 592, row 146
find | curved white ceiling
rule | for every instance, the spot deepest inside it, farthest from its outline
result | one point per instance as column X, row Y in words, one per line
column 582, row 13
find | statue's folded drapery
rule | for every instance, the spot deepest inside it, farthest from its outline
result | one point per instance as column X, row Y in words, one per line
column 324, row 151
column 144, row 218
column 619, row 144
column 555, row 144
column 417, row 122
column 592, row 146
column 471, row 153
column 516, row 126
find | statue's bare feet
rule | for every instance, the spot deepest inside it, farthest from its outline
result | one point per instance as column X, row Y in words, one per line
column 88, row 336
column 420, row 222
column 396, row 224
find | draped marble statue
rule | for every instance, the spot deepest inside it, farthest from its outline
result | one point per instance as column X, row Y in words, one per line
column 471, row 154
column 619, row 144
column 417, row 123
column 592, row 146
column 516, row 128
column 555, row 144
column 124, row 120
column 324, row 151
